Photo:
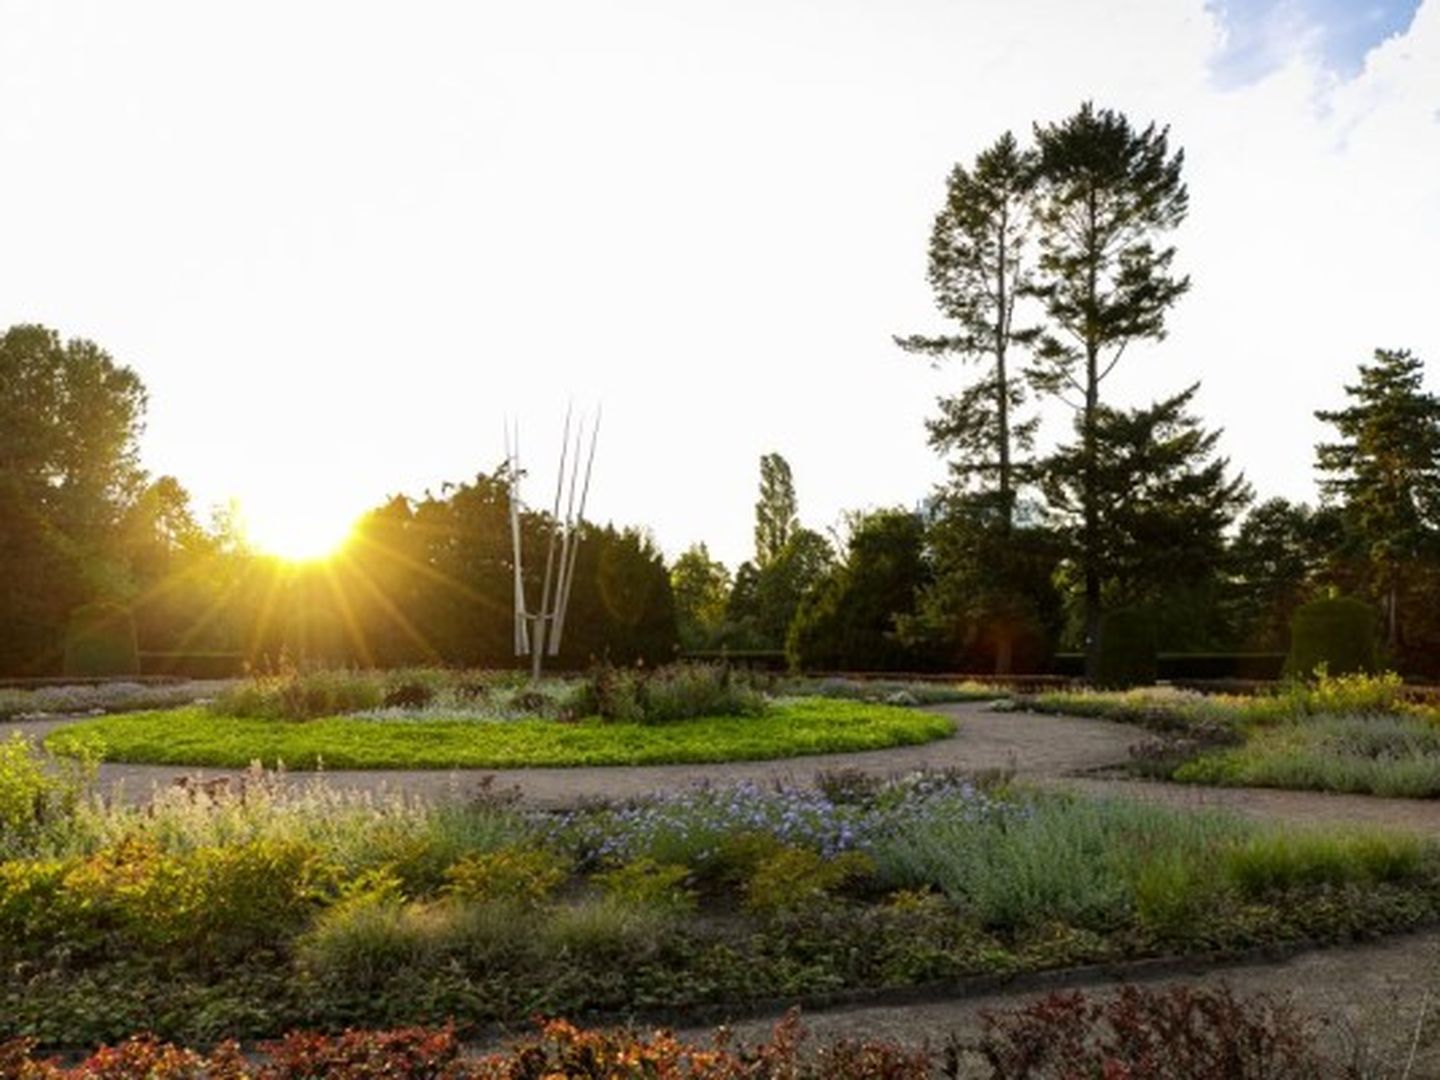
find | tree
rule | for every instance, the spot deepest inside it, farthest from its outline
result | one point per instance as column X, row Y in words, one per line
column 69, row 419
column 1106, row 193
column 1276, row 562
column 991, row 604
column 775, row 511
column 977, row 275
column 1385, row 473
column 849, row 621
column 782, row 584
column 702, row 587
column 1147, row 503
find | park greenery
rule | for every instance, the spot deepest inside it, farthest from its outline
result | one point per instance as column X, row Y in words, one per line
column 431, row 718
column 1049, row 257
column 273, row 905
column 270, row 903
column 1357, row 734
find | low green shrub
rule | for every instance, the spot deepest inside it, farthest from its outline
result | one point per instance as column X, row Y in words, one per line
column 38, row 800
column 375, row 938
column 100, row 641
column 1390, row 756
column 213, row 903
column 596, row 933
column 667, row 694
column 1052, row 859
column 1275, row 861
column 1335, row 635
column 794, row 877
column 292, row 694
column 523, row 876
column 643, row 882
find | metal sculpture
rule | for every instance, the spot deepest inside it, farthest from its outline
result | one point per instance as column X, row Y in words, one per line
column 538, row 633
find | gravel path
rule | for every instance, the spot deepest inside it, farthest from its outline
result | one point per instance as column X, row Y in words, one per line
column 1033, row 746
column 1369, row 995
column 1052, row 752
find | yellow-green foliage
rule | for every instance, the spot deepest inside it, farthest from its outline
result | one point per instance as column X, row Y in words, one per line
column 1327, row 695
column 518, row 875
column 218, row 901
column 793, row 877
column 24, row 786
column 37, row 800
column 1274, row 861
column 647, row 883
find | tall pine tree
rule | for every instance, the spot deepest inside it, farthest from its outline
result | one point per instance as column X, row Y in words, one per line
column 1106, row 195
column 977, row 274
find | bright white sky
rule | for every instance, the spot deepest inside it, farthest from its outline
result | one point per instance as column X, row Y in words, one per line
column 341, row 242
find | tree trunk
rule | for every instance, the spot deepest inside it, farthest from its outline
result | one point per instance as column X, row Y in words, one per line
column 1002, row 385
column 1091, row 547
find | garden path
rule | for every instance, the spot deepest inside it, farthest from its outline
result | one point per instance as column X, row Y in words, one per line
column 1372, row 993
column 1372, row 1003
column 1053, row 752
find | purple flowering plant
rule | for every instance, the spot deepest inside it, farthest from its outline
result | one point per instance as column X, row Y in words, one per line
column 691, row 827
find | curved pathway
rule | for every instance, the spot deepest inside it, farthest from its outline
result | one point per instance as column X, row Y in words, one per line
column 1048, row 751
column 1032, row 747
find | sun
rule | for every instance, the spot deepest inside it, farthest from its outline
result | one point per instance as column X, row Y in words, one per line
column 293, row 530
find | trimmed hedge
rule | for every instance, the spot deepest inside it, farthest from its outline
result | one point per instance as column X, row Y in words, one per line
column 1338, row 633
column 101, row 642
column 1127, row 648
column 199, row 665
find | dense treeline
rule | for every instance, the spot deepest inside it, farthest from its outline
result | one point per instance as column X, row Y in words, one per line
column 425, row 580
column 1046, row 260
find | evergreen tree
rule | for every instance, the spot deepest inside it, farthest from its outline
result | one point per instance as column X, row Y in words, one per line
column 1106, row 194
column 848, row 622
column 1384, row 472
column 977, row 274
column 1277, row 562
column 1160, row 501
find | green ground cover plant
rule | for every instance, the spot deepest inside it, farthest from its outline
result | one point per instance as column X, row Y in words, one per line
column 280, row 904
column 1394, row 756
column 1353, row 733
column 1169, row 708
column 197, row 736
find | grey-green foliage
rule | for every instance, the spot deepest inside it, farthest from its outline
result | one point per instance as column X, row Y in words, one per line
column 1059, row 859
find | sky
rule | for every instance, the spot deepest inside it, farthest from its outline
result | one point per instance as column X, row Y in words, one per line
column 343, row 243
